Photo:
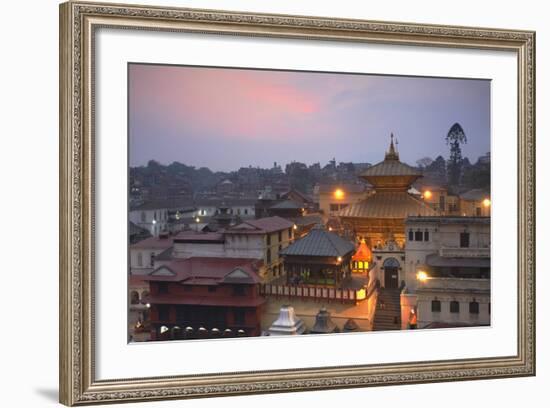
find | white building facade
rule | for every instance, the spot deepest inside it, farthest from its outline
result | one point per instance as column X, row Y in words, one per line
column 447, row 271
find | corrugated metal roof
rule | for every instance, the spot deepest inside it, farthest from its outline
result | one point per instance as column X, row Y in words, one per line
column 391, row 204
column 439, row 261
column 286, row 205
column 320, row 242
column 475, row 195
column 261, row 226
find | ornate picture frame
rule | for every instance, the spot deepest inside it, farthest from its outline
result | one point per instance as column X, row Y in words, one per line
column 79, row 22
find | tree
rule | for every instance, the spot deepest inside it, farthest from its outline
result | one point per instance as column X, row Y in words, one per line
column 437, row 170
column 454, row 139
column 424, row 162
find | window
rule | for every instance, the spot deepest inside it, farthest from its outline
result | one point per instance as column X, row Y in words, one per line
column 455, row 307
column 418, row 236
column 268, row 256
column 334, row 207
column 238, row 290
column 464, row 240
column 140, row 259
column 360, row 265
column 152, row 259
column 411, row 235
column 474, row 307
column 436, row 306
column 280, row 236
column 246, row 211
column 478, row 211
column 426, row 235
column 268, row 239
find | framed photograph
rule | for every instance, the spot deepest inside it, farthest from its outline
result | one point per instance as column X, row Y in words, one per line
column 256, row 203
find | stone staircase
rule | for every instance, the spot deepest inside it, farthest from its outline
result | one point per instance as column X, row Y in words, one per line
column 388, row 310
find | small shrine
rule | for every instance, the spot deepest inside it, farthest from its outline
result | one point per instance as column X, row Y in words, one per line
column 287, row 323
column 323, row 323
column 361, row 260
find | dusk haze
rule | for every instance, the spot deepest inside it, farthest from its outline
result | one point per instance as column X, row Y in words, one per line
column 196, row 115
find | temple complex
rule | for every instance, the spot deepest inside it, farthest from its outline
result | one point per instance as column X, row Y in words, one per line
column 380, row 217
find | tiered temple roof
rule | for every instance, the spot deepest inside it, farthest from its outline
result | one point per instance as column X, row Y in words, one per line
column 391, row 179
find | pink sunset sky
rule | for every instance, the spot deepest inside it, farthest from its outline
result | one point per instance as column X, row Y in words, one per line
column 225, row 119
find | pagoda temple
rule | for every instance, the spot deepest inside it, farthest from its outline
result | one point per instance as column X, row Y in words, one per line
column 380, row 217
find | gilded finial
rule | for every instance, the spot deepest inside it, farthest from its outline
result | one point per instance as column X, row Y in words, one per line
column 392, row 153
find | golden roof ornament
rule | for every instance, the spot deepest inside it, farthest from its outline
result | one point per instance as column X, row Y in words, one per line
column 392, row 153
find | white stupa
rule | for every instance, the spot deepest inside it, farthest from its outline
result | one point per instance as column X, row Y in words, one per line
column 287, row 323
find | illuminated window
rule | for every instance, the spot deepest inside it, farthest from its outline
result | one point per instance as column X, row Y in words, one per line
column 360, row 265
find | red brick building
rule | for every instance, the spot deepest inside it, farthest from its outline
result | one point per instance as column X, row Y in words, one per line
column 207, row 293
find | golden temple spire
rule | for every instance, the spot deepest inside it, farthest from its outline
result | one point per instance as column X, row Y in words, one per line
column 392, row 153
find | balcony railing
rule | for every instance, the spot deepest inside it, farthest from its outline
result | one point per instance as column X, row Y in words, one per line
column 313, row 292
column 455, row 285
column 455, row 252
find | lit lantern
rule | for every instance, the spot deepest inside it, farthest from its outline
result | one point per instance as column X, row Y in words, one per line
column 338, row 194
column 486, row 202
column 422, row 276
column 427, row 194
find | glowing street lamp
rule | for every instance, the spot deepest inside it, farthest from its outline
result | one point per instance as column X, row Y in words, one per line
column 427, row 194
column 339, row 194
column 422, row 276
column 339, row 259
column 486, row 202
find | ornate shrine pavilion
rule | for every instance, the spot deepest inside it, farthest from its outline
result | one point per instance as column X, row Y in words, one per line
column 320, row 258
column 381, row 216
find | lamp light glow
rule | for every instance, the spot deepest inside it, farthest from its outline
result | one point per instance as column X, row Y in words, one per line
column 422, row 276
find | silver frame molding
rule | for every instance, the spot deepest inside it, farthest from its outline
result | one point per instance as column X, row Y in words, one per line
column 78, row 22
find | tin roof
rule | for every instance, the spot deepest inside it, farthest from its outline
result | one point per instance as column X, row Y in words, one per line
column 153, row 243
column 476, row 194
column 260, row 226
column 388, row 204
column 319, row 242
